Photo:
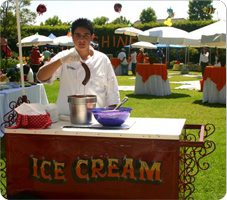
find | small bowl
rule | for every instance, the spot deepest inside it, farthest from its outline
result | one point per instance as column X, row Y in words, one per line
column 107, row 117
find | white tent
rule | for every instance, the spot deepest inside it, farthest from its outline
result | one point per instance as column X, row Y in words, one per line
column 145, row 45
column 168, row 35
column 212, row 35
column 63, row 41
column 216, row 40
column 67, row 41
column 131, row 31
column 35, row 40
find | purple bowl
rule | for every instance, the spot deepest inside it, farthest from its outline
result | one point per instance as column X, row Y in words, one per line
column 111, row 118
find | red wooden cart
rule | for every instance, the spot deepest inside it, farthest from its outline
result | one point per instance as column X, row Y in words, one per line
column 151, row 159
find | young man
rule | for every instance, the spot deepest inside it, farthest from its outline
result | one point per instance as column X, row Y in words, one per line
column 160, row 55
column 134, row 61
column 67, row 65
column 35, row 61
column 46, row 53
column 204, row 59
column 123, row 60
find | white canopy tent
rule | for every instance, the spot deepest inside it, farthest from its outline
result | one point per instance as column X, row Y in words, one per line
column 212, row 35
column 168, row 35
column 67, row 41
column 216, row 40
column 130, row 31
column 145, row 45
column 63, row 41
column 35, row 40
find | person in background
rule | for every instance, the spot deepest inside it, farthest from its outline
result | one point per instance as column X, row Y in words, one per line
column 141, row 56
column 160, row 55
column 123, row 60
column 28, row 73
column 67, row 66
column 46, row 53
column 134, row 61
column 216, row 57
column 52, row 54
column 60, row 49
column 35, row 62
column 218, row 64
column 204, row 59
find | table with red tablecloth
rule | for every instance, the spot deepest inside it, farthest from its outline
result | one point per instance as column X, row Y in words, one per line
column 116, row 66
column 152, row 79
column 214, row 85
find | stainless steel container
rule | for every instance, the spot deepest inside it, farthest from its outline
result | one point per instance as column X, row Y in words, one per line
column 80, row 107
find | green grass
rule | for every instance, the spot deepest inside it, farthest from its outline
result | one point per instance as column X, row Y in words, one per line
column 211, row 183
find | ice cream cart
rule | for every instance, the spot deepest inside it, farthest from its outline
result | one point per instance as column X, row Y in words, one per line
column 151, row 158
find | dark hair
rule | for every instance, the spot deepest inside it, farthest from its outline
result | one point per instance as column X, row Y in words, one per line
column 82, row 22
column 26, row 68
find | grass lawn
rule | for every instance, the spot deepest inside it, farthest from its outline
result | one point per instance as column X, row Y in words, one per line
column 211, row 183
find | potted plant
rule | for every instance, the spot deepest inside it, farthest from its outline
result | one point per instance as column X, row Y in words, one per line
column 222, row 59
column 152, row 58
column 13, row 74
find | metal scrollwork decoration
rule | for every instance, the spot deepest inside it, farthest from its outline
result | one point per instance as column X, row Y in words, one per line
column 10, row 117
column 192, row 158
column 3, row 177
column 8, row 120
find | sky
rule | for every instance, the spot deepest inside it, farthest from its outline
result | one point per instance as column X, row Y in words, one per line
column 70, row 10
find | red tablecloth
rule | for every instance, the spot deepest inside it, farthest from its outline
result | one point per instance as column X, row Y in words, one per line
column 147, row 70
column 217, row 75
column 115, row 62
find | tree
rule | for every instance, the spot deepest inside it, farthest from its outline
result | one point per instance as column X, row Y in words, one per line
column 9, row 20
column 148, row 15
column 54, row 21
column 121, row 20
column 100, row 20
column 196, row 12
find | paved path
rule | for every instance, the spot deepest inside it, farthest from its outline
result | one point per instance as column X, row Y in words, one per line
column 189, row 85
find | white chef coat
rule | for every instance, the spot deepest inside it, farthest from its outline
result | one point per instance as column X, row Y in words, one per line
column 102, row 83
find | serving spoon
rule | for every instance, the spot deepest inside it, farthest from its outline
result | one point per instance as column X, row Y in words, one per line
column 121, row 103
column 118, row 105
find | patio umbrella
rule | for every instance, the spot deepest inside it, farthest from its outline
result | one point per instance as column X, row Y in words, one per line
column 35, row 40
column 94, row 44
column 145, row 45
column 212, row 35
column 67, row 41
column 130, row 31
column 64, row 41
column 168, row 35
column 52, row 36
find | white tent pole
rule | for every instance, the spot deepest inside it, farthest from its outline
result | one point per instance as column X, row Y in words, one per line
column 129, row 47
column 185, row 55
column 210, row 57
column 20, row 48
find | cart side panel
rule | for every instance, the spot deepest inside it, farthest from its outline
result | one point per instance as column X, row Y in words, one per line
column 66, row 167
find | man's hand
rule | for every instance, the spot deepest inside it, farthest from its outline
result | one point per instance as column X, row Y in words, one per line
column 70, row 57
